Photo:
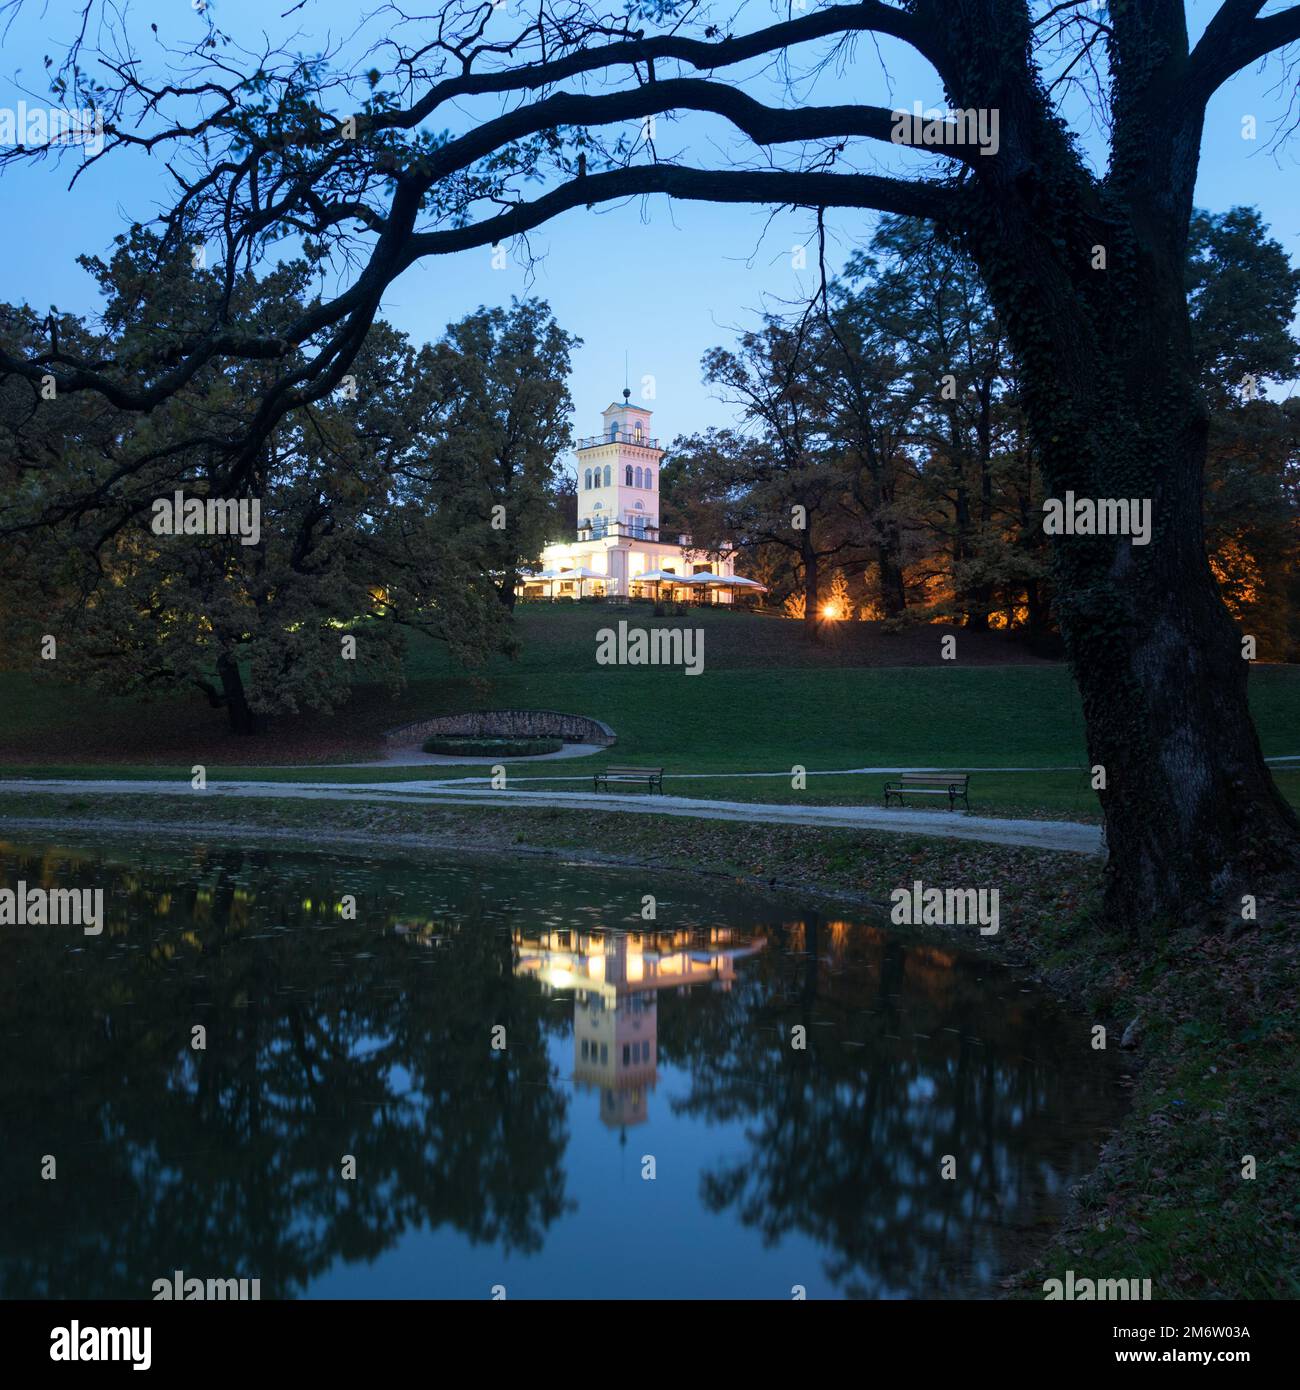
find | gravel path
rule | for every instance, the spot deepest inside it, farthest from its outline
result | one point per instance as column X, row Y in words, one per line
column 1056, row 835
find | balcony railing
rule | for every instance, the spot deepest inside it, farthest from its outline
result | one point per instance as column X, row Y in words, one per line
column 620, row 437
column 619, row 529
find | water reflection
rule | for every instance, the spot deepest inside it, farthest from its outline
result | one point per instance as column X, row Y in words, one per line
column 328, row 1036
column 615, row 979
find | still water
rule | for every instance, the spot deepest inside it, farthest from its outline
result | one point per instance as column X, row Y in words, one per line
column 644, row 1128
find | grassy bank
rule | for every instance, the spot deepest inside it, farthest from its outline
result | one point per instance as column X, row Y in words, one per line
column 1217, row 1065
column 767, row 699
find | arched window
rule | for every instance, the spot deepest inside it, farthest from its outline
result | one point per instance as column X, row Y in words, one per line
column 650, row 479
column 638, row 431
column 639, row 478
column 613, row 429
column 608, row 475
column 628, row 476
column 586, row 478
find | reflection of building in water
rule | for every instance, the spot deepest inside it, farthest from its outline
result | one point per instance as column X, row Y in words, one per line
column 616, row 978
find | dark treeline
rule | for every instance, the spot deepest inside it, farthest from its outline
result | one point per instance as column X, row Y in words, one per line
column 407, row 501
column 883, row 467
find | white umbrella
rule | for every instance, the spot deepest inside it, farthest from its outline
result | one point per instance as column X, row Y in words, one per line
column 659, row 577
column 548, row 575
column 734, row 581
column 579, row 573
column 706, row 579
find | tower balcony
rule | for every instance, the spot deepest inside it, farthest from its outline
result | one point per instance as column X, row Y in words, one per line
column 594, row 441
column 619, row 530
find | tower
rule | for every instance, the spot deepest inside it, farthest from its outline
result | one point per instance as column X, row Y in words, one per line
column 618, row 538
column 618, row 475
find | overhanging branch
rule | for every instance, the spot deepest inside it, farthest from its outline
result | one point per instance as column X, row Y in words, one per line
column 933, row 201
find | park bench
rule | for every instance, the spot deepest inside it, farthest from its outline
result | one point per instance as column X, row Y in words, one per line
column 950, row 784
column 653, row 777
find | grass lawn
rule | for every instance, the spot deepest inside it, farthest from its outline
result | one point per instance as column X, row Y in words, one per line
column 768, row 699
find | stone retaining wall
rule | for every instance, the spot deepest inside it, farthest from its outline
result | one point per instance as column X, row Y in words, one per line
column 506, row 723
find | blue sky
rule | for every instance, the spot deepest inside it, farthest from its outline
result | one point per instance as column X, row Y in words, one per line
column 661, row 282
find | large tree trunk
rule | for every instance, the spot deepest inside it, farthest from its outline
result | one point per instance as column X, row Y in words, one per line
column 976, row 601
column 893, row 591
column 1192, row 815
column 1037, row 609
column 242, row 719
column 1089, row 283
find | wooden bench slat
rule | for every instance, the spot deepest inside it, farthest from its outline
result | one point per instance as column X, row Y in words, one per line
column 653, row 777
column 953, row 785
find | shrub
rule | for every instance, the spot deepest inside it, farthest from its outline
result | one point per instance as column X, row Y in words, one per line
column 492, row 747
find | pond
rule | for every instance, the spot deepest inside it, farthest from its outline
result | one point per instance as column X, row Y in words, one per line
column 537, row 1088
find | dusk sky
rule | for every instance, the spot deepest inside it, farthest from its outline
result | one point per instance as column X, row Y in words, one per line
column 661, row 283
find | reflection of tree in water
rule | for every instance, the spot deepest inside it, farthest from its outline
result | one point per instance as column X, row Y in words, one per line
column 326, row 1039
column 846, row 1143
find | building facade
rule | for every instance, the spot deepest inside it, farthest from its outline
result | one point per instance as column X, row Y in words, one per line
column 618, row 537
